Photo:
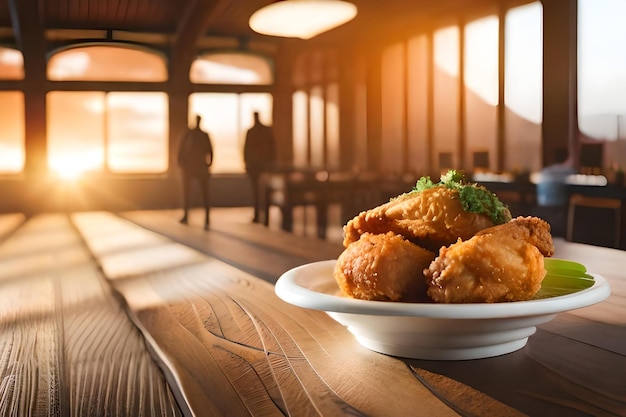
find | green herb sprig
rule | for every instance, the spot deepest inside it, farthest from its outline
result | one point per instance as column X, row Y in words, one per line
column 474, row 198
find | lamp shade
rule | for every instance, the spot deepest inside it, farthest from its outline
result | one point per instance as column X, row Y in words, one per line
column 301, row 18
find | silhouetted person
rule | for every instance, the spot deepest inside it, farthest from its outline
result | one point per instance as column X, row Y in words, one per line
column 195, row 156
column 259, row 155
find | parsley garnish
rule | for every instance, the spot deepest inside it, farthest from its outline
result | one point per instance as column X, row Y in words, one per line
column 474, row 198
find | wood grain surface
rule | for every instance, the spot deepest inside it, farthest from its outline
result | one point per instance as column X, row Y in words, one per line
column 67, row 348
column 225, row 345
column 572, row 366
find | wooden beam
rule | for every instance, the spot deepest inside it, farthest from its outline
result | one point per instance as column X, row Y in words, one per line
column 29, row 35
column 27, row 27
column 192, row 26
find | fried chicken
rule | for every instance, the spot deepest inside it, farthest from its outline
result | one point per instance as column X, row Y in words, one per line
column 501, row 263
column 383, row 267
column 431, row 218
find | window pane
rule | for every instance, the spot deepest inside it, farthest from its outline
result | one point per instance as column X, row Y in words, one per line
column 481, row 59
column 417, row 102
column 317, row 126
column 602, row 69
column 11, row 64
column 107, row 63
column 446, row 100
column 231, row 68
column 137, row 132
column 227, row 117
column 130, row 127
column 523, row 94
column 333, row 151
column 393, row 91
column 75, row 131
column 524, row 62
column 11, row 132
column 360, row 159
column 219, row 113
column 300, row 130
column 481, row 88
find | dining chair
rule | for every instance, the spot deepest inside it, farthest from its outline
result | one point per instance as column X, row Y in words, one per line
column 594, row 220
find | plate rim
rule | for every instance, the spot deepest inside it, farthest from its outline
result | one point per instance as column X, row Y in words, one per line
column 291, row 292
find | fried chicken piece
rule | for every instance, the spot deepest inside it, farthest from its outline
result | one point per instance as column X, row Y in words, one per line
column 431, row 218
column 383, row 267
column 534, row 230
column 502, row 263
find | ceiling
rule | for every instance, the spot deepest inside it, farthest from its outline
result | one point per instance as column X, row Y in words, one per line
column 43, row 25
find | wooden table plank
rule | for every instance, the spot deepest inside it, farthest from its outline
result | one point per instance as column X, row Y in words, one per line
column 214, row 323
column 240, row 243
column 234, row 348
column 67, row 346
column 9, row 222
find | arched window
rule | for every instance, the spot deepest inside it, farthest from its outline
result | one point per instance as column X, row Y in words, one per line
column 231, row 68
column 115, row 131
column 11, row 64
column 99, row 62
column 228, row 116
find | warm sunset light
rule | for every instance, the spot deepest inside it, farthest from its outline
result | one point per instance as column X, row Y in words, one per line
column 69, row 173
column 71, row 166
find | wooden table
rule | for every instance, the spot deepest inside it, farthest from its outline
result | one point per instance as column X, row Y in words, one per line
column 319, row 189
column 228, row 346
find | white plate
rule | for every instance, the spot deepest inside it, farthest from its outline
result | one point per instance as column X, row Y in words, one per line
column 431, row 331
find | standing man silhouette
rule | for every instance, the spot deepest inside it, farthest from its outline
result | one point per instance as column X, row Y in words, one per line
column 259, row 155
column 195, row 156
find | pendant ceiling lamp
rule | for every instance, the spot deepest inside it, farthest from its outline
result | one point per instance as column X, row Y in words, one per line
column 301, row 18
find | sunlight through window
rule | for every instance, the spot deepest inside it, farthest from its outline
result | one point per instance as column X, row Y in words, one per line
column 137, row 132
column 316, row 126
column 226, row 117
column 300, row 130
column 393, row 108
column 107, row 63
column 602, row 69
column 523, row 61
column 333, row 145
column 417, row 104
column 75, row 124
column 481, row 58
column 447, row 50
column 119, row 132
column 11, row 132
column 481, row 89
column 446, row 93
column 11, row 64
column 523, row 86
column 231, row 68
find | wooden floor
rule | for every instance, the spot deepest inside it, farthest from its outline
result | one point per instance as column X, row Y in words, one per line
column 66, row 339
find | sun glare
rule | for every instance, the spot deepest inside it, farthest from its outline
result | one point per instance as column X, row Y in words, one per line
column 72, row 167
column 68, row 173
